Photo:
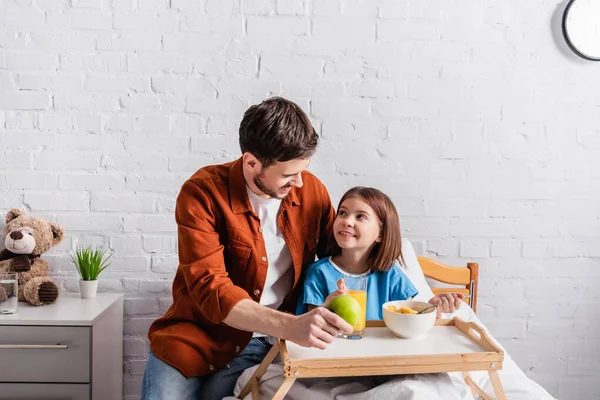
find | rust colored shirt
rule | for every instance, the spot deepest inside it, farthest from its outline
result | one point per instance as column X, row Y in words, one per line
column 222, row 260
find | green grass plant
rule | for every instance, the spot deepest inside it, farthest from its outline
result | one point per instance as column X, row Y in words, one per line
column 89, row 262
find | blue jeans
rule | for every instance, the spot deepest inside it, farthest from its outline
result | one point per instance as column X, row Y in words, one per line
column 163, row 382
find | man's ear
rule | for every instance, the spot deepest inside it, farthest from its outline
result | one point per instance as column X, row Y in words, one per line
column 251, row 162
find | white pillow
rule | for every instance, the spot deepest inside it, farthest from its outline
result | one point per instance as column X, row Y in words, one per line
column 413, row 270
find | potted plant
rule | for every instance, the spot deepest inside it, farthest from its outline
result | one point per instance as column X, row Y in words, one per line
column 89, row 264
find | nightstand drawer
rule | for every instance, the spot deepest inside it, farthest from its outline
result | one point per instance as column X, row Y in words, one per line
column 42, row 391
column 45, row 354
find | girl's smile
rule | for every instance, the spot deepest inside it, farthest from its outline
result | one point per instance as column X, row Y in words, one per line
column 346, row 234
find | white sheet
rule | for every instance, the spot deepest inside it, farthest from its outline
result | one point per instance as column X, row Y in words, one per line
column 404, row 387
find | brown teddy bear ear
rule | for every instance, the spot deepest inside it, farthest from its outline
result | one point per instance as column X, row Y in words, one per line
column 58, row 233
column 12, row 214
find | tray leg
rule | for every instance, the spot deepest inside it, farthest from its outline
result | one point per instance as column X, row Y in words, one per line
column 497, row 385
column 255, row 389
column 475, row 389
column 284, row 388
column 468, row 380
column 260, row 371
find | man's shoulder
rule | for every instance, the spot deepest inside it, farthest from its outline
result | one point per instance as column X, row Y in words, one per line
column 312, row 190
column 212, row 173
column 209, row 183
column 310, row 179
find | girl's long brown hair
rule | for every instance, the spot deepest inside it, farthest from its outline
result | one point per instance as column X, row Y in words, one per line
column 383, row 254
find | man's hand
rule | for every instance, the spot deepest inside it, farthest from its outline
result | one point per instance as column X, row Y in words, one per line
column 316, row 328
column 447, row 302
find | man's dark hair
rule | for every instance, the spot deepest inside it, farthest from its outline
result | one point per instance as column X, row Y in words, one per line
column 277, row 130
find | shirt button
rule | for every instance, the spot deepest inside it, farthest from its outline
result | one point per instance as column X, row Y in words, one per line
column 228, row 366
column 256, row 292
column 211, row 367
column 263, row 258
column 237, row 349
column 259, row 229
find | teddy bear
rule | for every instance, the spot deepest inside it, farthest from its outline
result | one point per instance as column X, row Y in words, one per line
column 26, row 238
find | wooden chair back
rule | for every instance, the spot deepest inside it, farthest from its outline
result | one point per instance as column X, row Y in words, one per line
column 467, row 277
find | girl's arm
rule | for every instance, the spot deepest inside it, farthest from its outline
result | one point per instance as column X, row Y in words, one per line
column 447, row 302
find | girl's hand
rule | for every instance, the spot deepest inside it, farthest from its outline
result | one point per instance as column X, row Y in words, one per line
column 341, row 290
column 447, row 302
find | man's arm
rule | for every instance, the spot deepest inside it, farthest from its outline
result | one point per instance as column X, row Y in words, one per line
column 200, row 251
column 313, row 329
column 218, row 299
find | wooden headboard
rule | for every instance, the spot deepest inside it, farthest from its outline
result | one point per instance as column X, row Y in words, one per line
column 467, row 277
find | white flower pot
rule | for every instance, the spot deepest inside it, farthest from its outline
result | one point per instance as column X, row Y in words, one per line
column 88, row 289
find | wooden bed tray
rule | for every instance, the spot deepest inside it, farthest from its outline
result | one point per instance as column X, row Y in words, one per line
column 451, row 346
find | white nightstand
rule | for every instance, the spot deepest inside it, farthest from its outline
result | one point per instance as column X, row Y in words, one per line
column 72, row 349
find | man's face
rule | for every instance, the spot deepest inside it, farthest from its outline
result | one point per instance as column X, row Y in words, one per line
column 277, row 179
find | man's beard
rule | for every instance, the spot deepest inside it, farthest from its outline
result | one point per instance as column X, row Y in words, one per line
column 263, row 188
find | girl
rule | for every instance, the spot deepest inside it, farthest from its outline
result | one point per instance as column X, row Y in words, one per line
column 367, row 241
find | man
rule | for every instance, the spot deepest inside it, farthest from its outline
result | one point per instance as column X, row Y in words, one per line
column 246, row 231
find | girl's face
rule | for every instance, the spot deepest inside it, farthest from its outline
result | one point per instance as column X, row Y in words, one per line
column 356, row 226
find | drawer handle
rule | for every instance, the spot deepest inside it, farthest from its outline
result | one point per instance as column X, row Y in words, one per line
column 34, row 346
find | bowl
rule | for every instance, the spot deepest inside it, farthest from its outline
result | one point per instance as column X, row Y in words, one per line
column 409, row 326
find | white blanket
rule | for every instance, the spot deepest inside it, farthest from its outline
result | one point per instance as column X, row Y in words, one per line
column 443, row 386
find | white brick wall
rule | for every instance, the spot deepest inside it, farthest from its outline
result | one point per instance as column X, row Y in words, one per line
column 480, row 125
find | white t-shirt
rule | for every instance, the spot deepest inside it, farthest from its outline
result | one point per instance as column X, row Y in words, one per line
column 280, row 274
